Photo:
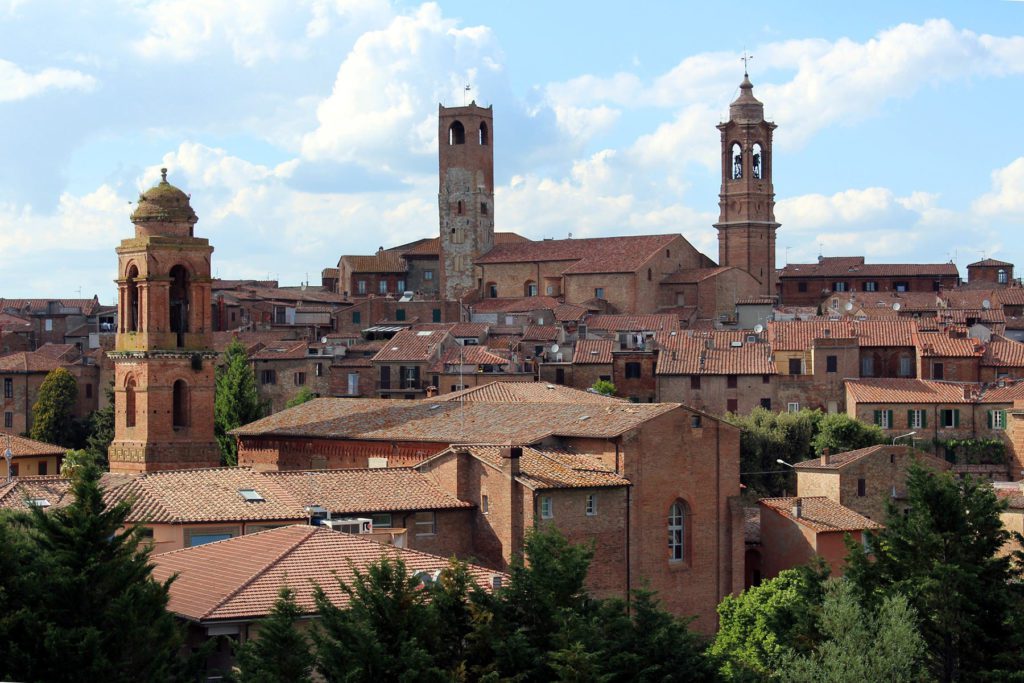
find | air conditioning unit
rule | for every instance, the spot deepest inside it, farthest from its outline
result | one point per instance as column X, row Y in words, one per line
column 351, row 525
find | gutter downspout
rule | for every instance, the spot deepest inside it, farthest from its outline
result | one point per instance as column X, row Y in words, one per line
column 629, row 551
column 718, row 508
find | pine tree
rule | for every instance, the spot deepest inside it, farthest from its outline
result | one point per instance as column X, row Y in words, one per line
column 236, row 402
column 101, row 430
column 280, row 652
column 90, row 610
column 53, row 413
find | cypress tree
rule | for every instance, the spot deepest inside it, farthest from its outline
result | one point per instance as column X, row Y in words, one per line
column 236, row 401
column 52, row 415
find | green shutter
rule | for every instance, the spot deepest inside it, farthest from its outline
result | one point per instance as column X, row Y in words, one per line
column 910, row 419
column 988, row 414
column 889, row 421
column 924, row 419
column 1002, row 413
column 956, row 418
column 878, row 417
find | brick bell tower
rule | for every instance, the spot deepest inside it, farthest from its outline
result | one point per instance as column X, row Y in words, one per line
column 163, row 360
column 746, row 223
column 466, row 194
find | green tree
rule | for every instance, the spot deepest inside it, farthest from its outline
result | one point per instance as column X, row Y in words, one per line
column 944, row 556
column 53, row 413
column 767, row 437
column 280, row 652
column 604, row 387
column 859, row 644
column 100, row 429
column 765, row 625
column 300, row 397
column 236, row 401
column 839, row 432
column 87, row 607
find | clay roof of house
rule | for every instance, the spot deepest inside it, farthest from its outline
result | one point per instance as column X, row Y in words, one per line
column 570, row 312
column 541, row 333
column 686, row 355
column 885, row 332
column 1008, row 392
column 989, row 262
column 821, row 514
column 502, row 342
column 471, row 355
column 28, row 361
column 412, row 345
column 589, row 255
column 551, row 468
column 219, row 285
column 330, row 272
column 799, row 335
column 520, row 304
column 470, row 329
column 282, row 350
column 1010, row 296
column 839, row 461
column 23, row 446
column 240, row 578
column 633, row 323
column 251, row 340
column 525, row 392
column 56, row 490
column 691, row 276
column 381, row 262
column 939, row 345
column 453, row 422
column 756, row 300
column 366, row 490
column 906, row 391
column 206, row 495
column 593, row 352
column 1003, row 352
column 432, row 246
column 1011, row 492
column 13, row 323
column 42, row 305
column 841, row 268
column 752, row 525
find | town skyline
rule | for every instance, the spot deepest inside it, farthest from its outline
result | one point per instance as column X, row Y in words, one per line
column 306, row 136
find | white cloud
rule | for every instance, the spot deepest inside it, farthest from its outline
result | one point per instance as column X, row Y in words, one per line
column 1007, row 196
column 18, row 84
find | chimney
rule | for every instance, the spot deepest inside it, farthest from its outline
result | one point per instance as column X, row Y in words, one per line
column 512, row 454
column 826, row 456
column 798, row 508
column 431, row 391
column 967, row 392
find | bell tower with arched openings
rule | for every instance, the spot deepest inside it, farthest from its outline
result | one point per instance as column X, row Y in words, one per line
column 163, row 360
column 465, row 199
column 746, row 223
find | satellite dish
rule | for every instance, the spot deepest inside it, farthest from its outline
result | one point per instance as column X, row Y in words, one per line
column 897, row 306
column 323, row 340
column 758, row 328
column 986, row 304
column 554, row 348
column 849, row 306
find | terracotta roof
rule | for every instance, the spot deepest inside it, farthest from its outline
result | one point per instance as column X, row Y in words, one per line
column 206, row 495
column 330, row 272
column 905, row 391
column 989, row 262
column 1009, row 392
column 799, row 335
column 521, row 304
column 840, row 461
column 756, row 300
column 1011, row 492
column 839, row 268
column 1010, row 296
column 287, row 350
column 452, row 422
column 939, row 345
column 240, row 578
column 470, row 329
column 691, row 276
column 221, row 340
column 42, row 305
column 820, row 514
column 57, row 351
column 28, row 361
column 366, row 490
column 885, row 333
column 472, row 355
column 591, row 255
column 1003, row 352
column 23, row 446
column 541, row 333
column 551, row 468
column 15, row 494
column 569, row 312
column 381, row 262
column 686, row 355
column 633, row 323
column 432, row 246
column 525, row 392
column 412, row 345
column 593, row 352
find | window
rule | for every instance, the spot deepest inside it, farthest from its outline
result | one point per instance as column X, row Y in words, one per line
column 435, row 315
column 737, row 161
column 632, row 370
column 383, row 286
column 795, row 365
column 458, row 210
column 88, row 390
column 181, row 403
column 591, row 505
column 997, row 419
column 766, row 403
column 485, row 504
column 694, row 381
column 300, row 379
column 917, row 419
column 906, row 366
column 42, row 468
column 8, row 387
column 938, row 371
column 1001, row 277
column 870, row 286
column 862, row 488
column 319, row 369
column 492, row 290
column 766, row 379
column 649, row 274
column 428, row 275
column 382, row 520
column 425, row 523
column 559, row 376
column 793, row 407
column 361, row 286
column 730, row 381
column 832, row 364
column 949, row 418
column 531, row 289
column 838, row 286
column 902, row 287
column 755, row 161
column 399, row 314
column 695, row 422
column 731, row 405
column 129, row 403
column 456, row 134
column 268, row 377
column 835, row 304
column 677, row 532
column 192, row 539
column 483, row 209
column 48, row 325
column 251, row 495
column 483, row 133
column 801, row 286
column 883, row 418
column 867, row 366
column 8, row 420
column 598, row 292
column 547, row 507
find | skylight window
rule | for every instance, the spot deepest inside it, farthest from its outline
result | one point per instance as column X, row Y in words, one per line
column 424, row 333
column 39, row 502
column 251, row 495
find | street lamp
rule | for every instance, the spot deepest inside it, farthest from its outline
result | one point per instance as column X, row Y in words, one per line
column 783, row 462
column 902, row 436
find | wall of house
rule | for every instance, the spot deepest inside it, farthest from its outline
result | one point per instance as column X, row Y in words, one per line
column 714, row 394
column 30, row 465
column 416, row 277
column 973, row 419
column 302, row 453
column 25, row 389
column 642, row 389
column 784, row 543
column 454, row 533
column 511, row 278
column 953, row 369
column 287, row 381
column 817, row 287
column 620, row 291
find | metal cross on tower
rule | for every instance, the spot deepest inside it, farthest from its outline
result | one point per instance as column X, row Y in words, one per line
column 745, row 58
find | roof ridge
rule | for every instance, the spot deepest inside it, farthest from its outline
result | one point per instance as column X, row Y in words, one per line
column 264, row 569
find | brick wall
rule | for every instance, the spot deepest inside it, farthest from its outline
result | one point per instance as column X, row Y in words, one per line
column 642, row 389
column 269, row 454
column 287, row 379
column 714, row 394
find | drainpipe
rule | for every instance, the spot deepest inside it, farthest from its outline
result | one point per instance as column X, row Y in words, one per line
column 629, row 551
column 718, row 511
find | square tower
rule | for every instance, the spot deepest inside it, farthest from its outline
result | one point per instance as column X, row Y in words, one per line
column 465, row 200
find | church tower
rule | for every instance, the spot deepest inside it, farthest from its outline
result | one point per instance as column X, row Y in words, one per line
column 466, row 194
column 163, row 360
column 746, row 223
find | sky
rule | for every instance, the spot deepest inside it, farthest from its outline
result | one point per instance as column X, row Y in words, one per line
column 306, row 129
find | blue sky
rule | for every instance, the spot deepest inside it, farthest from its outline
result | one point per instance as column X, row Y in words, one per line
column 305, row 130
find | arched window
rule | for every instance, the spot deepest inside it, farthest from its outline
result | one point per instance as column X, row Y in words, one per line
column 456, row 134
column 484, row 139
column 737, row 161
column 530, row 288
column 131, row 316
column 180, row 411
column 179, row 302
column 757, row 161
column 1001, row 277
column 129, row 402
column 677, row 532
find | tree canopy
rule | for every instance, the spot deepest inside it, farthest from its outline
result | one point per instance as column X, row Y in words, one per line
column 236, row 401
column 280, row 651
column 53, row 413
column 301, row 396
column 604, row 387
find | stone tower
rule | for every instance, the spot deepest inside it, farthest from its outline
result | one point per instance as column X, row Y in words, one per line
column 746, row 223
column 163, row 361
column 465, row 199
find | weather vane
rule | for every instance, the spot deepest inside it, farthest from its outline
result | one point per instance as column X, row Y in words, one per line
column 465, row 91
column 746, row 58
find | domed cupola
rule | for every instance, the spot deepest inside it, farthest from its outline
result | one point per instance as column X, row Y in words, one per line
column 164, row 210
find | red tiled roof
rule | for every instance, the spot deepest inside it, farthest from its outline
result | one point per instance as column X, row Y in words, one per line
column 989, row 262
column 23, row 446
column 470, row 329
column 1003, row 352
column 1009, row 392
column 939, row 345
column 838, row 268
column 521, row 304
column 13, row 323
column 686, row 355
column 28, row 361
column 472, row 355
column 1010, row 296
column 905, row 391
column 551, row 468
column 240, row 578
column 690, row 276
column 15, row 494
column 525, row 392
column 569, row 312
column 799, row 335
column 41, row 305
column 288, row 350
column 541, row 333
column 432, row 246
column 412, row 345
column 366, row 490
column 592, row 255
column 820, row 514
column 381, row 262
column 633, row 323
column 593, row 352
column 840, row 461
